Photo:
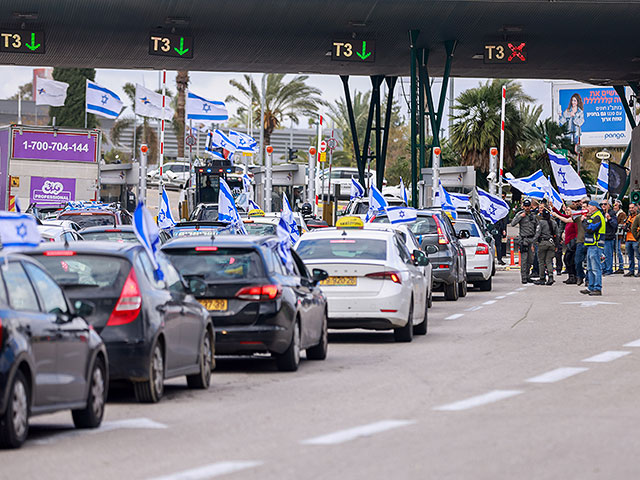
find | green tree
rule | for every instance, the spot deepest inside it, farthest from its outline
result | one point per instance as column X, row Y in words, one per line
column 72, row 113
column 338, row 113
column 25, row 90
column 182, row 83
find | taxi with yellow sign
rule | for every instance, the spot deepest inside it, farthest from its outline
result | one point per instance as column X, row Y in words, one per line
column 374, row 281
column 257, row 304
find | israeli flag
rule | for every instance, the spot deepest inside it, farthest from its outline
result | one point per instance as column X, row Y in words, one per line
column 377, row 203
column 220, row 140
column 603, row 177
column 50, row 92
column 199, row 108
column 459, row 200
column 149, row 104
column 553, row 195
column 492, row 208
column 403, row 191
column 570, row 185
column 357, row 190
column 243, row 142
column 531, row 186
column 246, row 183
column 208, row 147
column 402, row 215
column 165, row 219
column 290, row 222
column 283, row 245
column 101, row 101
column 253, row 205
column 227, row 211
column 148, row 234
column 446, row 201
column 18, row 231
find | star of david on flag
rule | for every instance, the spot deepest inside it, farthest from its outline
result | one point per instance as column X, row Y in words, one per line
column 18, row 231
column 102, row 101
column 199, row 108
column 492, row 207
column 165, row 219
column 401, row 215
column 570, row 185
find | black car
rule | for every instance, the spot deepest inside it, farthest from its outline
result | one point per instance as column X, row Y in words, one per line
column 121, row 233
column 153, row 328
column 449, row 264
column 92, row 216
column 50, row 358
column 256, row 304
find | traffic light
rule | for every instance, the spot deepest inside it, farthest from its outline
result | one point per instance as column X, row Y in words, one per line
column 292, row 154
column 635, row 196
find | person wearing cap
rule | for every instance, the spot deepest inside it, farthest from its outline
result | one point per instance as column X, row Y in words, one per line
column 609, row 238
column 527, row 221
column 595, row 228
column 545, row 239
column 621, row 218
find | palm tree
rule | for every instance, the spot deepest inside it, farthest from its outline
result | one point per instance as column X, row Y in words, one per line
column 182, row 82
column 338, row 112
column 477, row 122
column 282, row 100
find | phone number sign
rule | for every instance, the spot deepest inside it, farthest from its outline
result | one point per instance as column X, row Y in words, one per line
column 62, row 146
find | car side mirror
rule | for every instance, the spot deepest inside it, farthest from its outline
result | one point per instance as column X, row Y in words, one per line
column 493, row 231
column 318, row 275
column 464, row 234
column 197, row 287
column 420, row 258
column 431, row 249
column 488, row 238
column 83, row 308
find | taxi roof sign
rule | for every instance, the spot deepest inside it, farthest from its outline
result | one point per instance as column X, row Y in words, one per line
column 350, row 222
column 256, row 212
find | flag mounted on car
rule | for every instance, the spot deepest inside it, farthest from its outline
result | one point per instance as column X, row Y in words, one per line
column 148, row 234
column 18, row 231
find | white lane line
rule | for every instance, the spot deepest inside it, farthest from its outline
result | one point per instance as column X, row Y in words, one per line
column 501, row 297
column 474, row 309
column 126, row 424
column 209, row 471
column 512, row 293
column 455, row 316
column 489, row 302
column 606, row 356
column 635, row 343
column 557, row 375
column 488, row 397
column 343, row 436
column 521, row 289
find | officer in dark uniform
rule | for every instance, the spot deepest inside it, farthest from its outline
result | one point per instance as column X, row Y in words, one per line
column 528, row 223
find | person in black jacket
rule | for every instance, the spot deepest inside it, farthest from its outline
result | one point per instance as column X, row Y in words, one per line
column 545, row 237
column 528, row 222
column 609, row 238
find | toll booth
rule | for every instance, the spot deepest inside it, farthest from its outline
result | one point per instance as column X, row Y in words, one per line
column 289, row 178
column 118, row 181
column 454, row 179
column 203, row 186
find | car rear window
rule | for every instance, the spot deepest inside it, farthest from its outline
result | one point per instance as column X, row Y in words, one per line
column 221, row 264
column 86, row 270
column 424, row 226
column 208, row 214
column 90, row 219
column 343, row 249
column 111, row 236
column 260, row 228
column 470, row 227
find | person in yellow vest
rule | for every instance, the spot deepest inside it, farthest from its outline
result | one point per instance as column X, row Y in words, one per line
column 594, row 230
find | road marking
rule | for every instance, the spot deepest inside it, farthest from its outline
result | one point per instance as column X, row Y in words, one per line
column 635, row 343
column 209, row 471
column 489, row 302
column 512, row 293
column 606, row 356
column 476, row 401
column 455, row 316
column 501, row 297
column 474, row 309
column 521, row 289
column 343, row 436
column 589, row 303
column 557, row 375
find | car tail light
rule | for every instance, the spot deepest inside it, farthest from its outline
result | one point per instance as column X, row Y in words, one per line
column 206, row 249
column 443, row 266
column 442, row 238
column 386, row 275
column 482, row 249
column 128, row 306
column 59, row 253
column 113, row 230
column 260, row 293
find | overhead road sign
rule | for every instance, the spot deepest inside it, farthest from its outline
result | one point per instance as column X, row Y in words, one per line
column 505, row 52
column 22, row 41
column 170, row 45
column 353, row 51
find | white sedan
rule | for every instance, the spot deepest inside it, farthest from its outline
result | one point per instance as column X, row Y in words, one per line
column 373, row 281
column 480, row 254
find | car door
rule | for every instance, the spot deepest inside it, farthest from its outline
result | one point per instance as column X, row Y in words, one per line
column 313, row 304
column 459, row 249
column 72, row 349
column 416, row 276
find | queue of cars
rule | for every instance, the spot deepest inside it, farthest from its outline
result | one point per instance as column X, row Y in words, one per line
column 88, row 313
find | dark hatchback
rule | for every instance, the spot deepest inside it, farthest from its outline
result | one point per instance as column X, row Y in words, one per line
column 449, row 264
column 50, row 358
column 92, row 217
column 257, row 306
column 121, row 233
column 153, row 329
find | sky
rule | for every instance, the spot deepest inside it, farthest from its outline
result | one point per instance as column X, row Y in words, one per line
column 215, row 86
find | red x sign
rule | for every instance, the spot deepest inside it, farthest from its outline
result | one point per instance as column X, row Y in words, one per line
column 518, row 52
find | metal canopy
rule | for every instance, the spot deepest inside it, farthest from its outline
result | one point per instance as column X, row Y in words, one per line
column 594, row 41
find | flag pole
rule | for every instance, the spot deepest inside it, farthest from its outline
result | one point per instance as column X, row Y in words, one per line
column 85, row 102
column 161, row 150
column 19, row 108
column 502, row 115
column 135, row 128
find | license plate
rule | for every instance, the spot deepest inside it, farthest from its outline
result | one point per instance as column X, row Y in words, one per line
column 339, row 281
column 215, row 304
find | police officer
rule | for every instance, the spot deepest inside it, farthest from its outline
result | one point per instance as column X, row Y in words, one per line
column 545, row 238
column 594, row 230
column 310, row 219
column 528, row 223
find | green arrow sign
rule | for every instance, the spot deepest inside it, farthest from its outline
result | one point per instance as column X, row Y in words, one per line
column 364, row 55
column 182, row 50
column 353, row 51
column 13, row 41
column 169, row 45
column 33, row 45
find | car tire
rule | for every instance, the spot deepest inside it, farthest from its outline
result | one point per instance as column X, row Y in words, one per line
column 202, row 379
column 290, row 359
column 14, row 424
column 451, row 291
column 463, row 288
column 493, row 269
column 431, row 297
column 150, row 391
column 485, row 285
column 91, row 415
column 405, row 334
column 421, row 328
column 319, row 351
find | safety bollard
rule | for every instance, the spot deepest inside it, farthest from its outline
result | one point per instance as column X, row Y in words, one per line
column 513, row 253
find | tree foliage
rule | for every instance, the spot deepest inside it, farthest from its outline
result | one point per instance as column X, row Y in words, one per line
column 72, row 113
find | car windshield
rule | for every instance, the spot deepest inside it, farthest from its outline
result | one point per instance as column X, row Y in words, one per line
column 260, row 228
column 110, row 236
column 469, row 226
column 85, row 270
column 343, row 249
column 208, row 214
column 222, row 264
column 90, row 219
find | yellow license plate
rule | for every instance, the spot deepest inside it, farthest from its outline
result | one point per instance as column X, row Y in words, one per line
column 216, row 304
column 339, row 281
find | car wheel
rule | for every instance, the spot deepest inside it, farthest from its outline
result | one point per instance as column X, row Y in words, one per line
column 91, row 415
column 493, row 269
column 451, row 291
column 14, row 424
column 431, row 298
column 462, row 288
column 151, row 391
column 485, row 285
column 319, row 351
column 202, row 379
column 290, row 359
column 421, row 329
column 405, row 334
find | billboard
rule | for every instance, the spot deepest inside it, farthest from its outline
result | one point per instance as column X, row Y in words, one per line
column 58, row 145
column 594, row 115
column 52, row 191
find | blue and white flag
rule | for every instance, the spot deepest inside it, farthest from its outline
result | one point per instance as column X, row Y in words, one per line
column 243, row 142
column 357, row 190
column 459, row 200
column 246, row 183
column 165, row 219
column 570, row 185
column 446, row 201
column 553, row 195
column 403, row 192
column 402, row 214
column 149, row 104
column 18, row 231
column 492, row 208
column 290, row 222
column 377, row 203
column 50, row 92
column 532, row 186
column 253, row 205
column 208, row 147
column 220, row 140
column 227, row 211
column 199, row 108
column 603, row 177
column 284, row 244
column 148, row 234
column 101, row 101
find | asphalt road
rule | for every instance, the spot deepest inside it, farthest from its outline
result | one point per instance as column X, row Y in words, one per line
column 515, row 383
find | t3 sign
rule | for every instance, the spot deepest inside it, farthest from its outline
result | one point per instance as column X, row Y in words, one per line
column 505, row 52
